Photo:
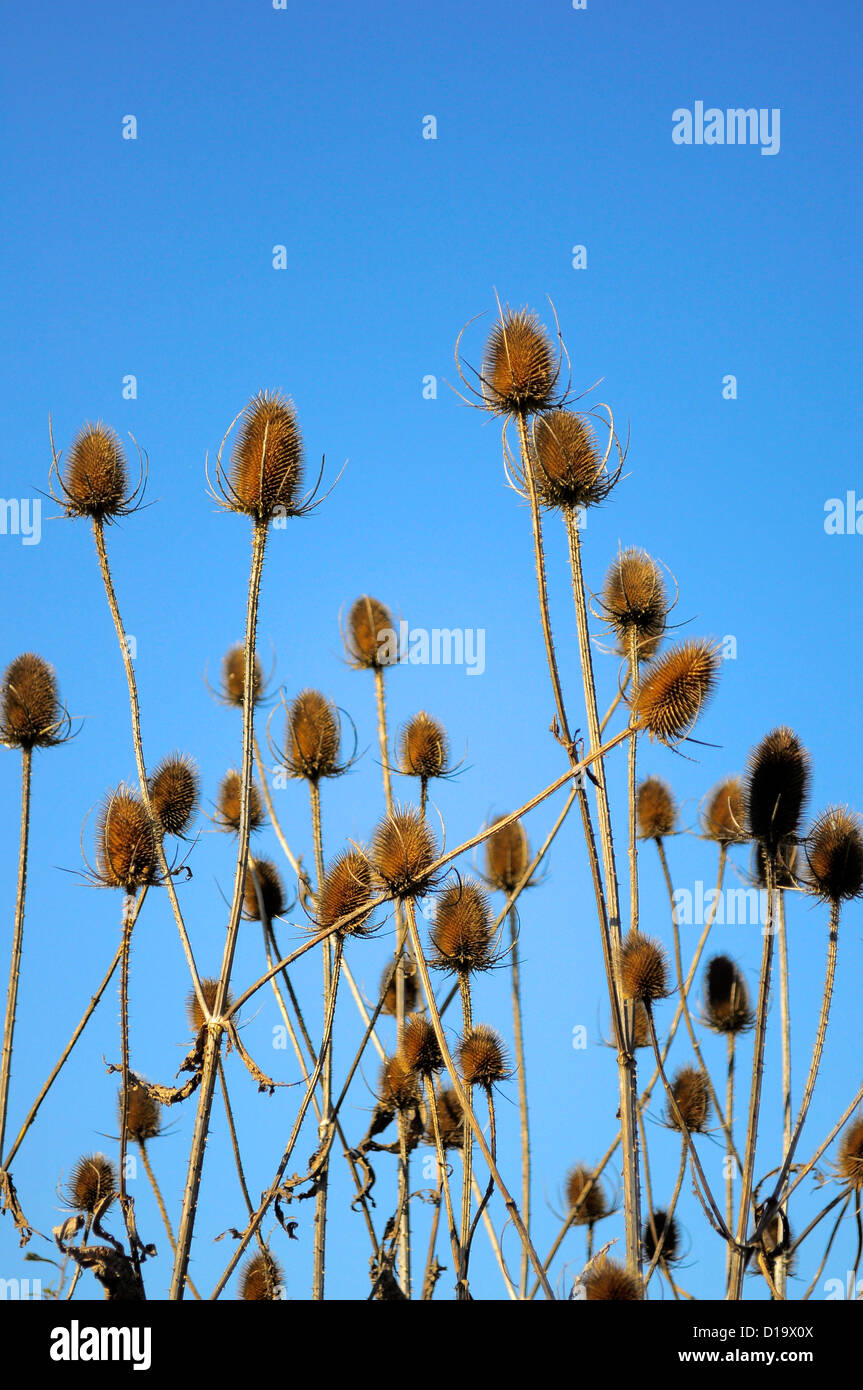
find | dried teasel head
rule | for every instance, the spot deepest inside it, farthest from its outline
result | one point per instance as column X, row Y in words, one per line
column 402, row 853
column 262, row 1279
column 234, row 677
column 568, row 468
column 777, row 783
column 423, row 748
column 347, row 887
column 724, row 817
column 690, row 1089
column 94, row 481
column 507, row 855
column 143, row 1114
column 194, row 1014
column 461, row 936
column 642, row 968
column 849, row 1162
column 659, row 1226
column 267, row 463
column 388, row 988
column 609, row 1282
column 675, row 688
column 313, row 737
column 174, row 789
column 228, row 803
column 450, row 1119
column 420, row 1048
column 370, row 640
column 31, row 715
column 727, row 997
column 519, row 371
column 834, row 855
column 482, row 1058
column 126, row 854
column 398, row 1088
column 93, row 1178
column 593, row 1205
column 270, row 887
column 655, row 809
column 634, row 599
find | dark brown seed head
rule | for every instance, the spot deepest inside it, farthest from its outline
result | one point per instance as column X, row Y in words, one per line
column 267, row 465
column 93, row 1178
column 411, row 989
column 675, row 688
column 313, row 736
column 125, row 842
column 655, row 809
column 270, row 887
column 777, row 783
column 634, row 600
column 450, row 1118
column 371, row 636
column 174, row 793
column 594, row 1206
column 724, row 818
column 30, row 712
column 692, row 1094
column 567, row 466
column 347, row 886
column 834, row 853
column 423, row 747
column 850, row 1161
column 518, row 370
column 643, row 968
column 143, row 1114
column 402, row 853
column 398, row 1088
column 228, row 803
column 482, row 1058
column 209, row 989
column 607, row 1282
column 420, row 1047
column 234, row 677
column 661, row 1227
column 461, row 936
column 507, row 855
column 94, row 483
column 261, row 1279
column 727, row 1002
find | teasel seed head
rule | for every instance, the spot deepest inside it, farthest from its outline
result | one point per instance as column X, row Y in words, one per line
column 607, row 1281
column 595, row 1206
column 850, row 1160
column 313, row 737
column 126, row 855
column 423, row 748
column 271, row 888
column 209, row 989
column 234, row 677
column 482, row 1058
column 507, row 855
column 143, row 1114
column 450, row 1118
column 567, row 466
column 642, row 968
column 634, row 600
column 724, row 818
column 267, row 464
column 31, row 715
column 461, row 935
column 261, row 1279
column 174, row 788
column 94, row 1177
column 420, row 1047
column 228, row 803
column 777, row 783
column 675, row 688
column 727, row 1002
column 402, row 853
column 94, row 483
column 657, row 1226
column 655, row 809
column 398, row 1088
column 692, row 1094
column 347, row 886
column 366, row 647
column 834, row 854
column 411, row 989
column 519, row 372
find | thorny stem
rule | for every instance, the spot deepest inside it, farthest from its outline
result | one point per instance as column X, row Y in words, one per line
column 235, row 1146
column 518, row 1034
column 785, row 1011
column 160, row 1203
column 126, row 1204
column 659, row 1243
column 467, row 1148
column 17, row 941
column 729, row 1144
column 443, row 1176
column 633, row 828
column 326, row 1098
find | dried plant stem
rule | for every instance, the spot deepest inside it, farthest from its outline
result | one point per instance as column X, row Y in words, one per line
column 785, row 1018
column 443, row 1175
column 827, row 1250
column 615, row 702
column 160, row 1203
column 127, row 1205
column 17, row 940
column 322, row 1183
column 235, row 1147
column 633, row 828
column 825, row 1143
column 730, row 1048
column 432, row 1270
column 659, row 1242
column 466, row 1149
column 524, row 1125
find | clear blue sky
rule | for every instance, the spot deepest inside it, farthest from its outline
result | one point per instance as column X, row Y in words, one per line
column 154, row 257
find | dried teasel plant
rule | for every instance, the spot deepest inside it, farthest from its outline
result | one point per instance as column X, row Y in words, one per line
column 94, row 482
column 31, row 714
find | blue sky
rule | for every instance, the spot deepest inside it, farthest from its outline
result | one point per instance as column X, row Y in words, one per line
column 302, row 128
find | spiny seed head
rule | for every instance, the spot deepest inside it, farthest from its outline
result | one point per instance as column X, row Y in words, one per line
column 692, row 1094
column 659, row 1226
column 674, row 689
column 655, row 809
column 507, row 855
column 423, row 747
column 125, row 842
column 450, row 1118
column 777, row 783
column 30, row 712
column 398, row 1088
column 594, row 1206
column 607, row 1281
column 403, row 851
column 143, row 1114
column 518, row 371
column 267, row 464
column 313, row 737
column 461, row 936
column 234, row 677
column 94, row 1177
column 261, row 1279
column 482, row 1058
column 834, row 852
column 643, row 968
column 567, row 466
column 850, row 1161
column 271, row 888
column 174, row 790
column 228, row 803
column 209, row 989
column 420, row 1047
column 641, row 1030
column 370, row 639
column 727, row 1004
column 94, row 483
column 634, row 600
column 347, row 886
column 724, row 818
column 411, row 989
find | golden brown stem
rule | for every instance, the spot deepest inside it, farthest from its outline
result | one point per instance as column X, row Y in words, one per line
column 17, row 941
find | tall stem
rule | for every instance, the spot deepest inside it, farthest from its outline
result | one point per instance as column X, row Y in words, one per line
column 320, row 1241
column 17, row 941
column 518, row 1034
column 633, row 829
column 785, row 1011
column 729, row 1144
column 466, row 1148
